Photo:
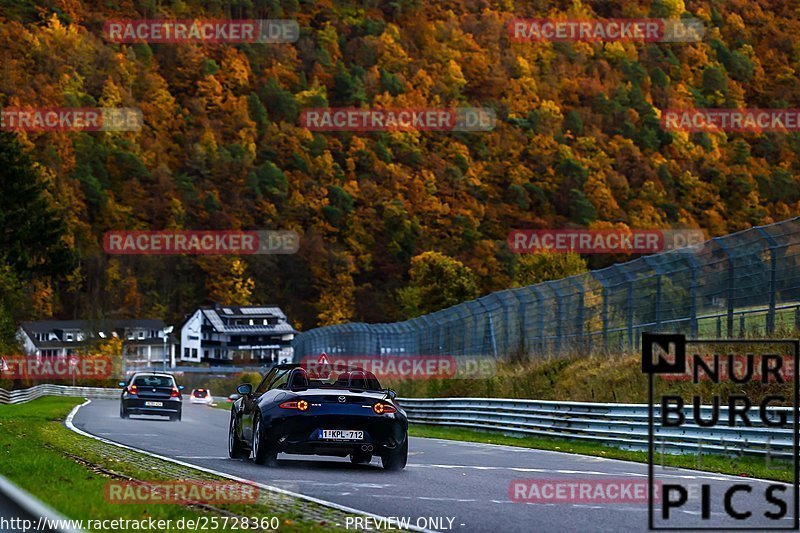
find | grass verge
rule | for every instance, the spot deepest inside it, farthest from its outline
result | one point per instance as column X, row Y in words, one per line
column 779, row 470
column 69, row 472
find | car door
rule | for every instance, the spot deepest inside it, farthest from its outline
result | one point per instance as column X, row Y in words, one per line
column 250, row 404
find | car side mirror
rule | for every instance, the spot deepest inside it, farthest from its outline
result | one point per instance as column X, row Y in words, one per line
column 391, row 394
column 180, row 387
column 244, row 389
column 122, row 384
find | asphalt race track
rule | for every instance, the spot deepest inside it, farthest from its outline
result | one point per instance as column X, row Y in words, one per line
column 466, row 482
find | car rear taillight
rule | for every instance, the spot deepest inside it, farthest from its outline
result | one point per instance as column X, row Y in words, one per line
column 301, row 405
column 133, row 390
column 175, row 393
column 383, row 408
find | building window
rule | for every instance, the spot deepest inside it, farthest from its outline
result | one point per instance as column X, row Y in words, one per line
column 205, row 353
column 194, row 352
column 186, row 352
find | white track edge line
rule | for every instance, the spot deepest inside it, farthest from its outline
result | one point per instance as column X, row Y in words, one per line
column 318, row 501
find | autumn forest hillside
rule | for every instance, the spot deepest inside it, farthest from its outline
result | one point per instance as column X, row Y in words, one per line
column 577, row 144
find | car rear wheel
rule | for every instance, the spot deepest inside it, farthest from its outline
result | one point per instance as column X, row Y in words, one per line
column 396, row 459
column 123, row 413
column 235, row 448
column 175, row 417
column 260, row 452
column 359, row 458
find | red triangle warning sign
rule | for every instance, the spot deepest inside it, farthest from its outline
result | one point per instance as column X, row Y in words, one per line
column 323, row 359
column 3, row 365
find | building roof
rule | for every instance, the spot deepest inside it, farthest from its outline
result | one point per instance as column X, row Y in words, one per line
column 46, row 326
column 220, row 315
column 107, row 326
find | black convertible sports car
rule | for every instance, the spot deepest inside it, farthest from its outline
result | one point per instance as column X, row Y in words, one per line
column 334, row 413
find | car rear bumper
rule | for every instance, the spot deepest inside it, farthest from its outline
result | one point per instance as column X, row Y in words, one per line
column 302, row 434
column 136, row 406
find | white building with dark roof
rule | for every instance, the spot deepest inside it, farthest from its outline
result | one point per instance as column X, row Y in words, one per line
column 144, row 342
column 236, row 335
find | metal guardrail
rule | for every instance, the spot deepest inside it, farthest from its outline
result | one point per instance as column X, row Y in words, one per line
column 26, row 395
column 621, row 425
column 22, row 505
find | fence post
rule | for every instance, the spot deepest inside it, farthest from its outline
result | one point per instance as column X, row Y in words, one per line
column 690, row 259
column 797, row 318
column 475, row 328
column 488, row 334
column 773, row 275
column 521, row 313
column 506, row 329
column 600, row 278
column 655, row 267
column 629, row 303
column 540, row 316
column 731, row 285
column 559, row 314
column 579, row 317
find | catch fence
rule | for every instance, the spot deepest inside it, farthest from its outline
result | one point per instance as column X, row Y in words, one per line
column 740, row 285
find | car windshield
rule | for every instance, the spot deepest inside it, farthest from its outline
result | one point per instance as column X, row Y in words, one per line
column 153, row 381
column 345, row 379
column 200, row 393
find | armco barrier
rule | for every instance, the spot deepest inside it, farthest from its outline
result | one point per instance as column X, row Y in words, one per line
column 26, row 395
column 621, row 425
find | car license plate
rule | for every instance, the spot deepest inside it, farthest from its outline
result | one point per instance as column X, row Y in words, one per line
column 342, row 434
column 154, row 404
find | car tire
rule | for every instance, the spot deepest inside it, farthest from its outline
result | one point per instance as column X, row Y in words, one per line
column 360, row 458
column 396, row 459
column 260, row 452
column 176, row 417
column 123, row 413
column 235, row 448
